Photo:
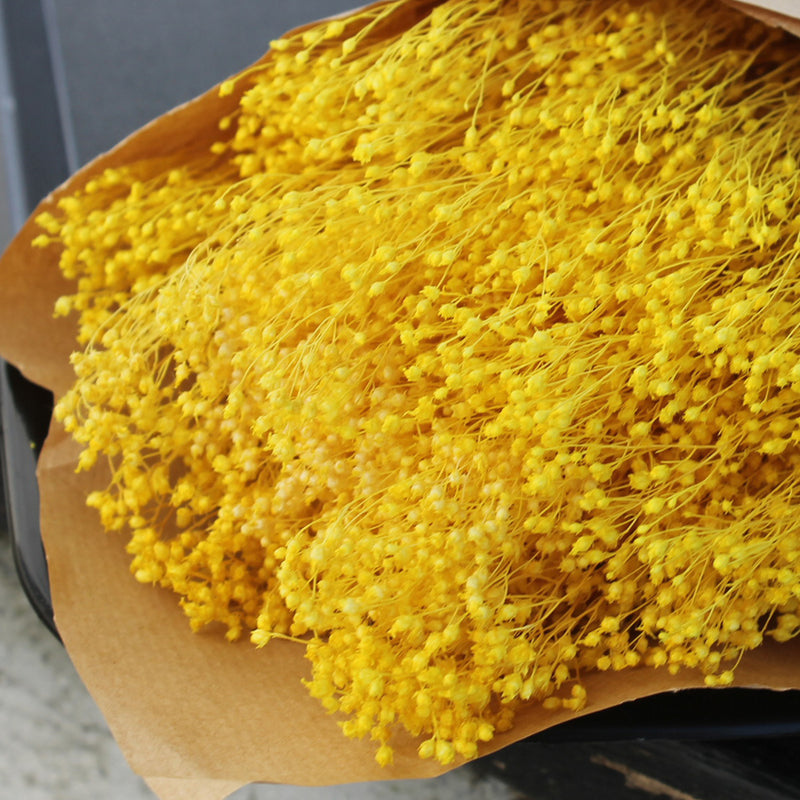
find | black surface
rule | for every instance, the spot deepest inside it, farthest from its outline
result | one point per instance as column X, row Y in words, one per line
column 122, row 63
column 24, row 416
column 647, row 770
column 690, row 714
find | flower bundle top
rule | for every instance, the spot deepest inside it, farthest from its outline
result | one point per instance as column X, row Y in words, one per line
column 469, row 357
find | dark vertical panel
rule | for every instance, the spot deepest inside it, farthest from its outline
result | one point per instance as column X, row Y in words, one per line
column 41, row 142
column 38, row 149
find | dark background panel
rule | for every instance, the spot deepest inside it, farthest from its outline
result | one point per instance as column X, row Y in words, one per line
column 127, row 62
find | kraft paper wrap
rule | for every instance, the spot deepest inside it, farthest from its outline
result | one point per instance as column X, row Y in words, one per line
column 198, row 717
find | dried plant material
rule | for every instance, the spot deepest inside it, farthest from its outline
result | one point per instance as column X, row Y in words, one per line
column 465, row 358
column 472, row 377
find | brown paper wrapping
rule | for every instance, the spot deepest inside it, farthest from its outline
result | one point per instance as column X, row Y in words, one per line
column 773, row 12
column 196, row 716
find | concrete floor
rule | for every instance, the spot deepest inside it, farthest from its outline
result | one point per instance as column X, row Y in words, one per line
column 53, row 740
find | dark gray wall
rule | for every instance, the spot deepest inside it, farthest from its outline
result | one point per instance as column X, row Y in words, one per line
column 125, row 62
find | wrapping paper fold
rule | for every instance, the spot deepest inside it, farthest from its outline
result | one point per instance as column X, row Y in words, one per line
column 196, row 716
column 780, row 13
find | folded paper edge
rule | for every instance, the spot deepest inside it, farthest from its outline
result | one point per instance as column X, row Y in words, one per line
column 192, row 788
column 775, row 19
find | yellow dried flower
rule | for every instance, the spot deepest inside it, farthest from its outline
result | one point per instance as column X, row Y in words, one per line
column 469, row 357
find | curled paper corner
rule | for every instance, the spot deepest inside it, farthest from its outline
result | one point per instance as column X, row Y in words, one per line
column 777, row 13
column 192, row 789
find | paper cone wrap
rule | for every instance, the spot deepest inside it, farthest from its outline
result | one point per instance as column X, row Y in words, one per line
column 195, row 715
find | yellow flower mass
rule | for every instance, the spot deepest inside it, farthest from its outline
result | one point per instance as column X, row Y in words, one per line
column 469, row 356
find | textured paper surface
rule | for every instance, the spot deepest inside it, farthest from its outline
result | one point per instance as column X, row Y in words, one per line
column 779, row 13
column 196, row 716
column 786, row 7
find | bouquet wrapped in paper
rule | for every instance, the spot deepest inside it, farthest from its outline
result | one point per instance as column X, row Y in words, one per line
column 431, row 382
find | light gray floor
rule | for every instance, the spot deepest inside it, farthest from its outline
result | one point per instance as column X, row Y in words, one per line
column 53, row 740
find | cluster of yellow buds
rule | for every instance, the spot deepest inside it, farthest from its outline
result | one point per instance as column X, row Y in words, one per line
column 469, row 357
